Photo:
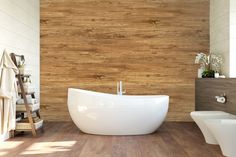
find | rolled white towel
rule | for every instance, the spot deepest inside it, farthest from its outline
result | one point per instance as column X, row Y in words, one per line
column 29, row 100
column 27, row 88
column 25, row 71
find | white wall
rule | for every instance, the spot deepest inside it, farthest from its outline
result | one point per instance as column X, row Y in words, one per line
column 20, row 32
column 223, row 33
column 219, row 31
column 232, row 38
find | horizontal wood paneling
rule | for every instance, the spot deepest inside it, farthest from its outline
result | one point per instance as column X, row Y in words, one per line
column 150, row 45
column 19, row 33
column 207, row 89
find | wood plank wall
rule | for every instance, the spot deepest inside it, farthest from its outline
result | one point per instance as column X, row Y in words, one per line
column 148, row 44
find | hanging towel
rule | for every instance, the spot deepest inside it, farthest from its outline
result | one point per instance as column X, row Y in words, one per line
column 8, row 93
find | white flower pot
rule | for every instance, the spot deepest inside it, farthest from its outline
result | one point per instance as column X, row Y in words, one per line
column 200, row 71
column 217, row 75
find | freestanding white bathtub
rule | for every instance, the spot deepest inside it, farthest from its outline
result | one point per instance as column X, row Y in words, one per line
column 110, row 114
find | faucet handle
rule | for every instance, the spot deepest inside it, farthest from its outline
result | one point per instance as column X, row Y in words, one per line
column 221, row 99
column 117, row 87
column 124, row 91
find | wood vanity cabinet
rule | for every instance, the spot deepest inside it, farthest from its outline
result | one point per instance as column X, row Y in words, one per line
column 207, row 88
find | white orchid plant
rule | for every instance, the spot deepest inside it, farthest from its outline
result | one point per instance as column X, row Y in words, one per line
column 216, row 62
column 210, row 62
column 202, row 59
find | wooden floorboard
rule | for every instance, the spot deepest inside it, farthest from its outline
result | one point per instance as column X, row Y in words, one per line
column 62, row 139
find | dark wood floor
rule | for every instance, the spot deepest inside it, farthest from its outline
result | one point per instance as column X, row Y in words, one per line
column 65, row 140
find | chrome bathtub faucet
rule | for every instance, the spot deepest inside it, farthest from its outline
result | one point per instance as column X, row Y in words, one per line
column 120, row 88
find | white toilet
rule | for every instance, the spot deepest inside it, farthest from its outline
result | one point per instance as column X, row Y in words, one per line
column 224, row 130
column 201, row 116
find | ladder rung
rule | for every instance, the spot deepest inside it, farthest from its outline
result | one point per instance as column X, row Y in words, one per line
column 24, row 75
column 26, row 111
column 30, row 93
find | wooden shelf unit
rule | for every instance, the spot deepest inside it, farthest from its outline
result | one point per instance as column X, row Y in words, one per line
column 28, row 110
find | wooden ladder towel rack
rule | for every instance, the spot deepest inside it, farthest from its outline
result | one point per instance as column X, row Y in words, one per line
column 24, row 94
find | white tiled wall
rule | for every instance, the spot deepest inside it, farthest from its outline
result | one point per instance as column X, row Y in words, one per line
column 219, row 31
column 232, row 38
column 223, row 33
column 20, row 32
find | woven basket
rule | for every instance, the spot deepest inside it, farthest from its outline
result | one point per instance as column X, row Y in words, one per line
column 21, row 107
column 27, row 126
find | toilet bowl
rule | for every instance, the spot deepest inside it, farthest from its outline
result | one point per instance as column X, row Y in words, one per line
column 224, row 131
column 201, row 116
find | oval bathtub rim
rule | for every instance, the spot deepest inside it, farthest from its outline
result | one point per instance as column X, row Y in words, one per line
column 116, row 95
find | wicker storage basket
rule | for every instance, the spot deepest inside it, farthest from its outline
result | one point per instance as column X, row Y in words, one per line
column 26, row 126
column 21, row 107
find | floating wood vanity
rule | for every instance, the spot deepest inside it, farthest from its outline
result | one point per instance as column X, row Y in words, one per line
column 207, row 88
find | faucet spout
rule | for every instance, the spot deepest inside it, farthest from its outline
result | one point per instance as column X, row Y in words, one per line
column 120, row 88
